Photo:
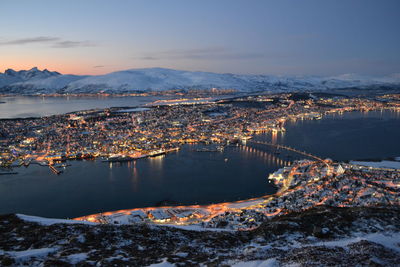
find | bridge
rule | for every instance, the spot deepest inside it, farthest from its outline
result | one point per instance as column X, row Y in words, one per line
column 287, row 148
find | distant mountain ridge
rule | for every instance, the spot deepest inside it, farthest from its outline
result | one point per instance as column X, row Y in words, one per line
column 35, row 81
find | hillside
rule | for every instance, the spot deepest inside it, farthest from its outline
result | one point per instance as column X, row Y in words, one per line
column 322, row 236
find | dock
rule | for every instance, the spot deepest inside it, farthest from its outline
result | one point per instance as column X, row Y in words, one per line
column 54, row 170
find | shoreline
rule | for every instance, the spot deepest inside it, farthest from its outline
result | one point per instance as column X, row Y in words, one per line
column 253, row 132
column 285, row 113
column 203, row 215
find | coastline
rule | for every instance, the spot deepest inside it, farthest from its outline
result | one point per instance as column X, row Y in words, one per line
column 269, row 126
column 319, row 181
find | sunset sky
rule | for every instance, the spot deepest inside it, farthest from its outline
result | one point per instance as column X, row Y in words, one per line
column 260, row 37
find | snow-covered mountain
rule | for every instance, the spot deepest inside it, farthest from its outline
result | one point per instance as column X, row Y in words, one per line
column 158, row 79
column 11, row 76
column 34, row 81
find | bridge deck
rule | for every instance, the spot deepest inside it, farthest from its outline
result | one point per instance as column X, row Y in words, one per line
column 287, row 148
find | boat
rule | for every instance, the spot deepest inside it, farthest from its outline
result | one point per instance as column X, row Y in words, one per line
column 64, row 165
column 87, row 156
column 317, row 117
column 157, row 153
column 118, row 158
column 173, row 149
column 122, row 158
column 207, row 149
column 27, row 162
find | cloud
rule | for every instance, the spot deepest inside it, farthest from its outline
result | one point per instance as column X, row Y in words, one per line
column 23, row 41
column 98, row 66
column 69, row 44
column 148, row 58
column 54, row 42
column 207, row 53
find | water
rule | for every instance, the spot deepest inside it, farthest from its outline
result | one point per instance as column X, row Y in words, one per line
column 184, row 177
column 189, row 177
column 347, row 136
column 37, row 106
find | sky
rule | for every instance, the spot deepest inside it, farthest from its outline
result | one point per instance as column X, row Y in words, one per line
column 298, row 37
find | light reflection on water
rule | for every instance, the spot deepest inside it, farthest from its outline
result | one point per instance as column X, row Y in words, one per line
column 184, row 177
column 189, row 177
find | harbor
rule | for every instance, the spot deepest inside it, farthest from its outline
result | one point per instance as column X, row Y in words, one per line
column 187, row 177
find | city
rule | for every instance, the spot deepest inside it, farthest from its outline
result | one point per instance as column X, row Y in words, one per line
column 120, row 134
column 200, row 133
column 129, row 134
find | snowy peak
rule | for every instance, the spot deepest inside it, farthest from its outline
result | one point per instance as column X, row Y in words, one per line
column 10, row 72
column 34, row 81
column 29, row 74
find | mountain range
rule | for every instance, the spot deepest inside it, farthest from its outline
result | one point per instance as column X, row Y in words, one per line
column 35, row 81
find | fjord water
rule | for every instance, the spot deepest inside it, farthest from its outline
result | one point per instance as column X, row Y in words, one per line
column 190, row 177
column 183, row 177
column 38, row 106
column 370, row 135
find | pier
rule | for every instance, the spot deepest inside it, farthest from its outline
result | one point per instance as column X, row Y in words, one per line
column 54, row 170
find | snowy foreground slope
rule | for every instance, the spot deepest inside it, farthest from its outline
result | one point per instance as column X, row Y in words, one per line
column 35, row 81
column 322, row 236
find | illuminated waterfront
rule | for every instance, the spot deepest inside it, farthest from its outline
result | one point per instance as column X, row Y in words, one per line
column 189, row 177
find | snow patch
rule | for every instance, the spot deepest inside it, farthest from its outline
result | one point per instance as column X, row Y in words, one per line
column 50, row 221
column 261, row 263
column 387, row 240
column 75, row 258
column 25, row 255
column 164, row 263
